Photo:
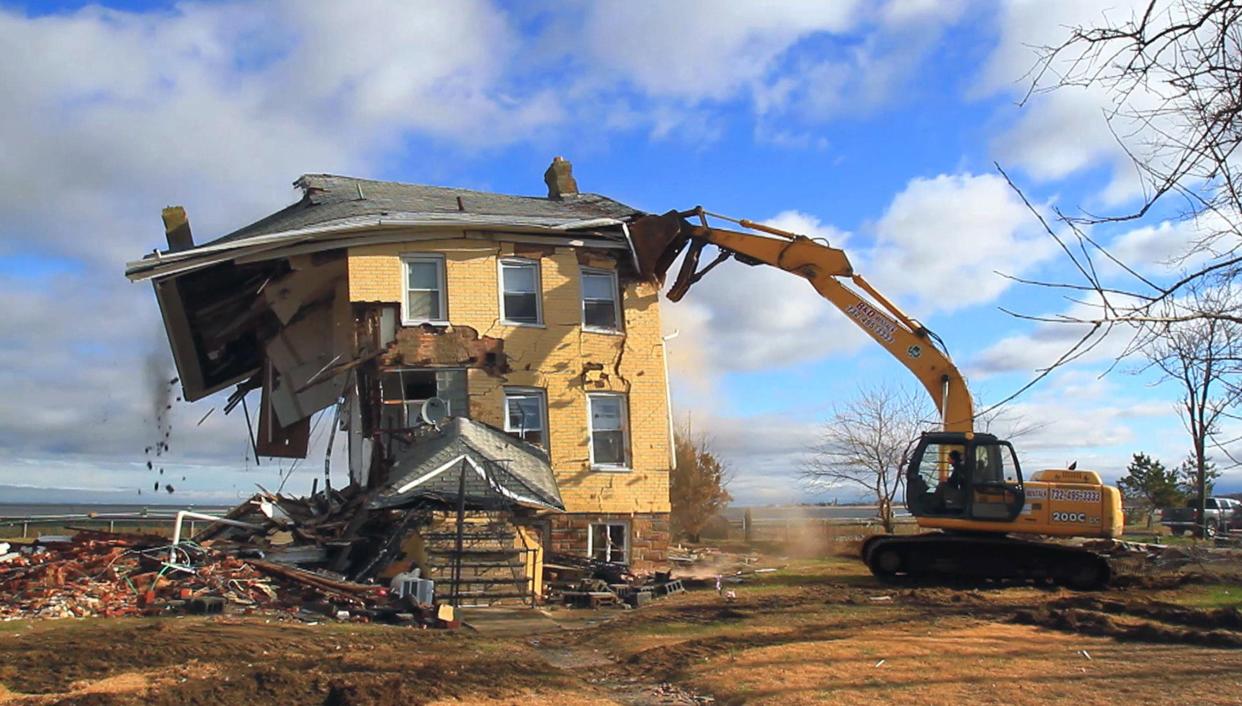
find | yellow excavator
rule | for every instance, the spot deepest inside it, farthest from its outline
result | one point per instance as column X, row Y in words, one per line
column 968, row 485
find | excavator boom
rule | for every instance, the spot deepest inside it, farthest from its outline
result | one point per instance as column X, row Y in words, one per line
column 659, row 240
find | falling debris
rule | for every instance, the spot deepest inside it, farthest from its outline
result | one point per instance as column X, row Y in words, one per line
column 169, row 488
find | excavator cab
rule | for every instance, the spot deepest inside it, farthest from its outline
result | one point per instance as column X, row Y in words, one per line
column 964, row 475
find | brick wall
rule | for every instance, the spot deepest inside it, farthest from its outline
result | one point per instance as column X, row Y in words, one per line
column 560, row 358
column 648, row 536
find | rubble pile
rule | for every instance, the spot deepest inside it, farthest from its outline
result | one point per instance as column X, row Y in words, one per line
column 99, row 574
column 587, row 583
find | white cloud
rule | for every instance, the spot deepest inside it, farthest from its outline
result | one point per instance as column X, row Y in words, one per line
column 1078, row 416
column 764, row 453
column 1174, row 246
column 699, row 49
column 112, row 115
column 1066, row 131
column 750, row 318
column 943, row 240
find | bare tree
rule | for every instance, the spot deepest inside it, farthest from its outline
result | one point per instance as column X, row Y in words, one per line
column 1201, row 357
column 1172, row 72
column 865, row 442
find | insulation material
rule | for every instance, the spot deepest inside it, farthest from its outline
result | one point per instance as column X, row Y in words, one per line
column 289, row 294
column 299, row 354
column 360, row 447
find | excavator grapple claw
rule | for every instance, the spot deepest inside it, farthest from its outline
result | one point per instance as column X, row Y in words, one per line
column 657, row 240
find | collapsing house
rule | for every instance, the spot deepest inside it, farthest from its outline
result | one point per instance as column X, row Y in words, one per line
column 493, row 362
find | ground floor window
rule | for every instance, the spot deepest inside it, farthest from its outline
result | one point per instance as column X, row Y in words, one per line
column 609, row 541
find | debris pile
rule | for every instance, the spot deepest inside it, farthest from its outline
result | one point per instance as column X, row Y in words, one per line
column 587, row 583
column 100, row 574
column 227, row 568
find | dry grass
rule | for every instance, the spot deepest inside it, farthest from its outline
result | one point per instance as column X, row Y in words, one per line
column 820, row 631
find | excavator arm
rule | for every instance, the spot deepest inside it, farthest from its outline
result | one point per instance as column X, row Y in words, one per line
column 659, row 240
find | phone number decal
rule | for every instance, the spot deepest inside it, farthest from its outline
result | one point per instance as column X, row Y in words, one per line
column 1076, row 496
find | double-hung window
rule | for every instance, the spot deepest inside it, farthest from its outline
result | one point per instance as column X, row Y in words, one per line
column 519, row 292
column 424, row 289
column 526, row 414
column 610, row 434
column 608, row 541
column 601, row 309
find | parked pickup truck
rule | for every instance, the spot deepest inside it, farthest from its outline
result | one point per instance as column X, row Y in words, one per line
column 1222, row 515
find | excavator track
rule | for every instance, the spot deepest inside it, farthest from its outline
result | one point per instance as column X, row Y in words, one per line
column 941, row 556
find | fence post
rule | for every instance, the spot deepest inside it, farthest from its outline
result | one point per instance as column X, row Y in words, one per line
column 111, row 526
column 25, row 528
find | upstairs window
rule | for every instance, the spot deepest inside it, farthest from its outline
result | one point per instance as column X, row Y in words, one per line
column 610, row 438
column 403, row 393
column 519, row 292
column 424, row 289
column 526, row 415
column 600, row 309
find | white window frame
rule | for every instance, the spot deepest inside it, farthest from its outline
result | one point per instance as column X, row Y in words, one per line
column 441, row 282
column 625, row 526
column 500, row 289
column 527, row 392
column 625, row 433
column 616, row 300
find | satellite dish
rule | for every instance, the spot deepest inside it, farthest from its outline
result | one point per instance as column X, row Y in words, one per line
column 435, row 410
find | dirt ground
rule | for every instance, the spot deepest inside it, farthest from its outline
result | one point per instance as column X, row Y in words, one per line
column 819, row 631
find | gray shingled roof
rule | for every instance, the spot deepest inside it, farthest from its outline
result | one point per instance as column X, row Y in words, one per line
column 431, row 467
column 327, row 198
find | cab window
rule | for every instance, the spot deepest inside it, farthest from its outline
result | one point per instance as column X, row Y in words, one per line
column 994, row 463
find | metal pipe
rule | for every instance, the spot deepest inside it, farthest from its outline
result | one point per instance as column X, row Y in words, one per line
column 668, row 400
column 182, row 514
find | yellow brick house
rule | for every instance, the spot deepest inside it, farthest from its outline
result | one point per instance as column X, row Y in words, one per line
column 523, row 316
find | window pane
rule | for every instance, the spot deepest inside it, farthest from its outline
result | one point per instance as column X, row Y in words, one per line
column 596, row 286
column 599, row 314
column 605, row 413
column 451, row 387
column 424, row 274
column 521, row 308
column 599, row 542
column 525, row 413
column 424, row 306
column 518, row 278
column 609, row 448
column 419, row 384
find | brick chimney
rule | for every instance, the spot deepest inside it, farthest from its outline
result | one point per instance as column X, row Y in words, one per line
column 560, row 179
column 177, row 229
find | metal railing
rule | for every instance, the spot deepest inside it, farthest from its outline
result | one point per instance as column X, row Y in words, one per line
column 109, row 520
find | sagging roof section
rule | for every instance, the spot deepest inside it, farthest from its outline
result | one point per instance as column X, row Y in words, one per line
column 337, row 211
column 328, row 198
column 496, row 466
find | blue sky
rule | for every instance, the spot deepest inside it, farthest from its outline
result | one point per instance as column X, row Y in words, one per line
column 876, row 125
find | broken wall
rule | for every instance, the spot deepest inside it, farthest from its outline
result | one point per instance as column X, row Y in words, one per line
column 557, row 356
